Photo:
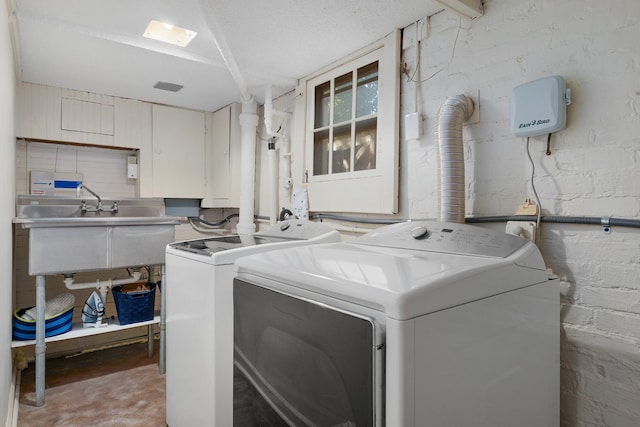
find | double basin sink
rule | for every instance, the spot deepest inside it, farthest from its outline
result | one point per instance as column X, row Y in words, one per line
column 63, row 239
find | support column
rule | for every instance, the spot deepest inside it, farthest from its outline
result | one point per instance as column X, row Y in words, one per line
column 41, row 347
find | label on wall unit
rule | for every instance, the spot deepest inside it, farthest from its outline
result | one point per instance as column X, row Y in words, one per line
column 41, row 183
column 45, row 183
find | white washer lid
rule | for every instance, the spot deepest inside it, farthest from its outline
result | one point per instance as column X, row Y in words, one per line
column 402, row 283
column 224, row 250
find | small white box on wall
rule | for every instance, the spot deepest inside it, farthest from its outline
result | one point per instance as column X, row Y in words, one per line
column 539, row 107
column 132, row 171
column 132, row 167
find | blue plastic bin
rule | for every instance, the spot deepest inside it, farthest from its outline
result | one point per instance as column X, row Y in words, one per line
column 25, row 329
column 134, row 307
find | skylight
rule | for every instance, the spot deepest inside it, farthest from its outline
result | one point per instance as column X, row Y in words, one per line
column 169, row 33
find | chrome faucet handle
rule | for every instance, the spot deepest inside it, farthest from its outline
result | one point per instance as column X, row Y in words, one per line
column 114, row 207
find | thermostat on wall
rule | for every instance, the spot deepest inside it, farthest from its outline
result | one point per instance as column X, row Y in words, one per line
column 539, row 107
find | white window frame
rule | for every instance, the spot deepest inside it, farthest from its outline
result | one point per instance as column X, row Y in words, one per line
column 364, row 191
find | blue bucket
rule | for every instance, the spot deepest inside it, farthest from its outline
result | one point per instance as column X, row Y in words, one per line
column 25, row 329
column 134, row 307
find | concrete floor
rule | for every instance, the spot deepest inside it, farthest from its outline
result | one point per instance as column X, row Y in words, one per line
column 121, row 386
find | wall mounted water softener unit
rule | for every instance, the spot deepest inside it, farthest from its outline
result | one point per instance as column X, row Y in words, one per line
column 539, row 107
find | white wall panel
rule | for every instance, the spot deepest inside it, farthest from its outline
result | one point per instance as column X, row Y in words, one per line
column 104, row 170
column 593, row 170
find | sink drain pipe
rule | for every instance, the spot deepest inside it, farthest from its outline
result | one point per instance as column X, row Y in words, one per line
column 102, row 286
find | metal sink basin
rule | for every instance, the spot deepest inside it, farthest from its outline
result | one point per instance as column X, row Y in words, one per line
column 63, row 239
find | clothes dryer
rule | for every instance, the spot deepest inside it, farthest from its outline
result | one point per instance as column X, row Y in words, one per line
column 199, row 317
column 415, row 324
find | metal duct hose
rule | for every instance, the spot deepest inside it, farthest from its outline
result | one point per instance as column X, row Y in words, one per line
column 451, row 116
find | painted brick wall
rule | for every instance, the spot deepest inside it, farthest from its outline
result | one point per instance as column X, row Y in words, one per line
column 594, row 170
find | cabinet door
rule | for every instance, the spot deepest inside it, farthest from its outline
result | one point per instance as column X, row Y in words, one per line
column 220, row 154
column 223, row 159
column 132, row 124
column 65, row 115
column 178, row 153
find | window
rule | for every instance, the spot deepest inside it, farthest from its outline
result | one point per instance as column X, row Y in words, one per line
column 344, row 134
column 351, row 137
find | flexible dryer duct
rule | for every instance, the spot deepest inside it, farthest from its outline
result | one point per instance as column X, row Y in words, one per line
column 451, row 116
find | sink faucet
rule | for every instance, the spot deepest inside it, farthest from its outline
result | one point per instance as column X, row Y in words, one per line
column 81, row 186
column 98, row 208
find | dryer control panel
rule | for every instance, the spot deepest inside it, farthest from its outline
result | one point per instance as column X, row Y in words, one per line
column 445, row 237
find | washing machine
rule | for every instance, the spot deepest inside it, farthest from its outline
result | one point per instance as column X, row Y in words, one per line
column 199, row 317
column 415, row 324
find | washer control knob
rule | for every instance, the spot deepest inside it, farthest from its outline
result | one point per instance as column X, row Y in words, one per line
column 419, row 232
column 284, row 226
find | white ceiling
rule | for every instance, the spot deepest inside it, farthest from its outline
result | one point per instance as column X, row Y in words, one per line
column 97, row 45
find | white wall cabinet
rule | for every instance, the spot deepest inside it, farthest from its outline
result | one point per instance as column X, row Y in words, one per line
column 54, row 114
column 223, row 158
column 178, row 153
column 181, row 153
column 63, row 115
column 133, row 130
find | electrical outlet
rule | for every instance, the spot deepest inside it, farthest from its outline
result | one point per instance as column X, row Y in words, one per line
column 526, row 229
column 527, row 208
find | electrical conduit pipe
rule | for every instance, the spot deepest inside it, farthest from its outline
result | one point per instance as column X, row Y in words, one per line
column 451, row 116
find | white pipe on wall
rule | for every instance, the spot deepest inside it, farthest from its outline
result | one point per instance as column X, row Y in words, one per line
column 271, row 154
column 269, row 113
column 286, row 157
column 273, row 181
column 248, row 125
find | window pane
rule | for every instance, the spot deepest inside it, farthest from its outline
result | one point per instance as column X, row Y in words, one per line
column 323, row 102
column 367, row 92
column 321, row 152
column 341, row 149
column 365, row 155
column 343, row 98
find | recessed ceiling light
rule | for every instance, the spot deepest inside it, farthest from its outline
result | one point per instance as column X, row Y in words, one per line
column 169, row 33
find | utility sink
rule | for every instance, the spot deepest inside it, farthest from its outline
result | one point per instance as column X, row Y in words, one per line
column 65, row 239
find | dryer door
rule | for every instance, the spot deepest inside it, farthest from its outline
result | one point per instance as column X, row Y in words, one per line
column 313, row 364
